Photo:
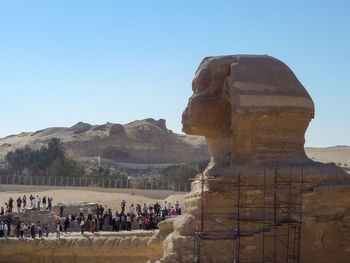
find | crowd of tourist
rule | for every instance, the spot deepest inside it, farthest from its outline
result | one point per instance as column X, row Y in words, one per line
column 92, row 219
column 146, row 217
column 15, row 228
column 21, row 229
column 35, row 203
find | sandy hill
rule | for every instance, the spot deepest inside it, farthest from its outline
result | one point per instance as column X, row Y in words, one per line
column 143, row 141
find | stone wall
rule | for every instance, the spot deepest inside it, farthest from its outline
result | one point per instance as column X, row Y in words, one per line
column 326, row 227
column 118, row 247
column 32, row 216
column 74, row 208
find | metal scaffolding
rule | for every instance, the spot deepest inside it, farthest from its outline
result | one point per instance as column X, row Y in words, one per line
column 278, row 217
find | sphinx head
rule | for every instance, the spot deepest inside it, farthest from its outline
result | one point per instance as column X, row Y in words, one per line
column 250, row 108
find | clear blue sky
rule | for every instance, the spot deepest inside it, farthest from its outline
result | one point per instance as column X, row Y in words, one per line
column 96, row 61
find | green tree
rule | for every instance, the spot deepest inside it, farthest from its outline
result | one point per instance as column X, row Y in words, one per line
column 183, row 172
column 48, row 160
column 56, row 149
column 66, row 167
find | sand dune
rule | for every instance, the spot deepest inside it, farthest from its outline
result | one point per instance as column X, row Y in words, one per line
column 340, row 155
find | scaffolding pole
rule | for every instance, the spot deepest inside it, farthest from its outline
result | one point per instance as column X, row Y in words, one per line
column 280, row 213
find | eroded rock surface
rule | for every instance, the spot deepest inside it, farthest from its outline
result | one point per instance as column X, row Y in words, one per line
column 119, row 247
column 254, row 112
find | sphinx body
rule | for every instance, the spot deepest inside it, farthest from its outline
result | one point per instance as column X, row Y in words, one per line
column 253, row 112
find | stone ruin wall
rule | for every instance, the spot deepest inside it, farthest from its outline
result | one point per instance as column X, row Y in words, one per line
column 29, row 215
column 74, row 208
column 33, row 216
column 107, row 248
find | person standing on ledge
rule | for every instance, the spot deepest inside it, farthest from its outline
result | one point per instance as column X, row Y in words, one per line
column 19, row 204
column 123, row 206
column 49, row 200
column 2, row 226
column 24, row 200
column 61, row 211
column 177, row 208
column 38, row 200
column 92, row 225
column 82, row 225
column 47, row 230
column 58, row 228
column 8, row 221
column 44, row 202
column 32, row 230
column 101, row 210
column 89, row 214
column 22, row 229
column 5, row 230
column 10, row 204
column 33, row 203
column 66, row 224
column 40, row 230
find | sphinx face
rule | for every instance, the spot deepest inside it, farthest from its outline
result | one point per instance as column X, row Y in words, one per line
column 208, row 111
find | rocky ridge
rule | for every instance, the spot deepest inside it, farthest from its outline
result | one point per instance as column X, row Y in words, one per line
column 142, row 141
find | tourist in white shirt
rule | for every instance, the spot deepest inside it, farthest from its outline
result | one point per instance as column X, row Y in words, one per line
column 38, row 200
column 34, row 203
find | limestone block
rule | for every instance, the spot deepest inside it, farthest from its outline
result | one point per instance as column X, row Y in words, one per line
column 253, row 112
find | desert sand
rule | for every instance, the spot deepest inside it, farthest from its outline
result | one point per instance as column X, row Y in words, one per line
column 109, row 198
column 340, row 155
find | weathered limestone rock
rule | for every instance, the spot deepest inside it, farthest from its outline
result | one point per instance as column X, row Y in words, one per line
column 254, row 112
column 75, row 248
column 32, row 216
column 74, row 208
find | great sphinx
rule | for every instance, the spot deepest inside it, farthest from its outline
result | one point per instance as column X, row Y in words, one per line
column 253, row 112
